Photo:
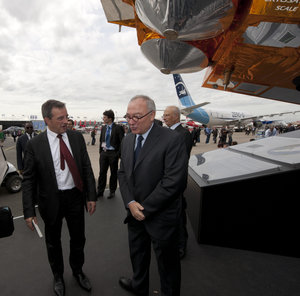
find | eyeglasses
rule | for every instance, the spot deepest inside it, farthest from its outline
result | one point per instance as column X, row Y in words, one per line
column 136, row 118
column 29, row 127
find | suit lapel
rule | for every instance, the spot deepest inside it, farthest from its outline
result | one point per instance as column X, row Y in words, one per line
column 130, row 150
column 72, row 143
column 45, row 147
column 102, row 136
column 113, row 130
column 74, row 148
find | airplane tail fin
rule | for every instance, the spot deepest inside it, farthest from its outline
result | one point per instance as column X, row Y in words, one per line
column 184, row 96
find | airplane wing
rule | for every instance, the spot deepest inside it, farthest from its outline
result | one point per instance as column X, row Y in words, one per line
column 188, row 110
column 269, row 116
column 248, row 46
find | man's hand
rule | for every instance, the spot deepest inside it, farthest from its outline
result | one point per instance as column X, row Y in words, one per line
column 136, row 210
column 91, row 207
column 29, row 222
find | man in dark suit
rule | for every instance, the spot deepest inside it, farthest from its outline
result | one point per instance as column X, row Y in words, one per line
column 21, row 145
column 57, row 167
column 152, row 177
column 110, row 143
column 172, row 120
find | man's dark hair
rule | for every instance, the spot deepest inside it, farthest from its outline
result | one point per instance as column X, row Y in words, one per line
column 28, row 123
column 110, row 114
column 49, row 105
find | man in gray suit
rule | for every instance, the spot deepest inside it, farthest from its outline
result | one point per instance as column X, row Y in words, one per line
column 152, row 178
column 57, row 168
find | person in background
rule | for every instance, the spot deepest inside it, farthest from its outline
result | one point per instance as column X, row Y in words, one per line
column 14, row 135
column 93, row 135
column 21, row 145
column 58, row 170
column 110, row 144
column 70, row 124
column 271, row 131
column 152, row 178
column 126, row 130
column 207, row 132
column 223, row 135
column 172, row 120
column 215, row 134
column 194, row 136
column 229, row 135
column 290, row 128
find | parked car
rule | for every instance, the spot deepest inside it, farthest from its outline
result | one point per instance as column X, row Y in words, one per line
column 9, row 176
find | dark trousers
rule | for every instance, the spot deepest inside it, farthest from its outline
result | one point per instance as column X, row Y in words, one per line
column 167, row 257
column 72, row 209
column 183, row 233
column 108, row 159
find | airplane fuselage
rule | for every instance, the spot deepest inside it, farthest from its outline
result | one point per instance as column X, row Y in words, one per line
column 202, row 115
column 216, row 117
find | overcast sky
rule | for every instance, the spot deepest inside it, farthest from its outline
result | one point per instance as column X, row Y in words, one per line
column 66, row 50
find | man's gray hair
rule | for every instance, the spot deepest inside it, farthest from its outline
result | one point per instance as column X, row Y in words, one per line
column 49, row 105
column 175, row 110
column 150, row 103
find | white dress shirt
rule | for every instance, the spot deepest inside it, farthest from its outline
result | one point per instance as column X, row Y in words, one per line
column 174, row 125
column 145, row 135
column 28, row 136
column 64, row 177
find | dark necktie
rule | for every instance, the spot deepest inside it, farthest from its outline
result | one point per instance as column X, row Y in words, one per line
column 138, row 148
column 65, row 155
column 107, row 137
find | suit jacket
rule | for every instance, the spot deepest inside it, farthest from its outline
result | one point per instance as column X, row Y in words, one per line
column 116, row 136
column 188, row 140
column 157, row 180
column 21, row 146
column 39, row 175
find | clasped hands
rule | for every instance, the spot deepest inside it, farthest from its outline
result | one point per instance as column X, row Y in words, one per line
column 136, row 210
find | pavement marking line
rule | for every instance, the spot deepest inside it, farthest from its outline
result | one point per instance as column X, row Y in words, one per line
column 18, row 217
column 9, row 148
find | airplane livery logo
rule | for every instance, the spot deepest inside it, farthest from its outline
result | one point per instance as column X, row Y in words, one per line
column 181, row 90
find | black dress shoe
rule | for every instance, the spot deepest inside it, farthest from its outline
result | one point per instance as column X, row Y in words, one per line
column 111, row 195
column 59, row 286
column 83, row 281
column 126, row 284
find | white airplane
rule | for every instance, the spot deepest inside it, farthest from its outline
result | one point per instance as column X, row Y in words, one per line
column 216, row 117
